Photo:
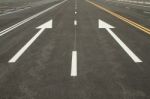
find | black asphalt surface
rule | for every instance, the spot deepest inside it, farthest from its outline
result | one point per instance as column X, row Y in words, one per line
column 105, row 71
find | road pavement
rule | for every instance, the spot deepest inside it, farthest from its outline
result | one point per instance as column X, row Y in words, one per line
column 74, row 49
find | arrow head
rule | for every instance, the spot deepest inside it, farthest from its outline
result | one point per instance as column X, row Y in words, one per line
column 102, row 24
column 45, row 25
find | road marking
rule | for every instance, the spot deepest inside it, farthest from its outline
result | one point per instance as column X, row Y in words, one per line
column 74, row 64
column 28, row 19
column 138, row 26
column 124, row 46
column 75, row 22
column 28, row 44
column 108, row 27
column 74, row 53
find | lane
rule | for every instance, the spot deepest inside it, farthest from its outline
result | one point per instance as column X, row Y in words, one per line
column 15, row 39
column 44, row 69
column 134, row 38
column 108, row 67
column 101, row 60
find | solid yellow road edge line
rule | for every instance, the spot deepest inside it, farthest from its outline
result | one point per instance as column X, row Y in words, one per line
column 144, row 29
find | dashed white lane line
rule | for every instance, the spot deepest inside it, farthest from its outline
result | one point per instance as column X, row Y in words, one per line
column 74, row 64
column 28, row 19
column 28, row 44
column 75, row 22
column 74, row 53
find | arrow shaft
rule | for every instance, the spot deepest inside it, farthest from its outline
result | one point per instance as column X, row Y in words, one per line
column 125, row 48
column 25, row 47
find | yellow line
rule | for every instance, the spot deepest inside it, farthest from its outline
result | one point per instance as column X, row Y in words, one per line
column 144, row 29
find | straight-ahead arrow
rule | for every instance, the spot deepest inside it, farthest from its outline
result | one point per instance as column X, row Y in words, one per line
column 108, row 27
column 42, row 27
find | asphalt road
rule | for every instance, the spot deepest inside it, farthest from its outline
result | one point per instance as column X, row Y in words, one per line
column 83, row 51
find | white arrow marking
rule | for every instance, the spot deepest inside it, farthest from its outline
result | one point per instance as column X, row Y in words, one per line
column 74, row 64
column 108, row 27
column 28, row 19
column 27, row 45
column 104, row 25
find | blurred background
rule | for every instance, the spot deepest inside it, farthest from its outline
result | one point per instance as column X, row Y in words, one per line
column 146, row 2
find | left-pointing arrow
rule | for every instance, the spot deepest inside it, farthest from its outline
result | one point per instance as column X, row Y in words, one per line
column 42, row 27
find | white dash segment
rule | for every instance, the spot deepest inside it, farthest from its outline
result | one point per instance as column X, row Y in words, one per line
column 74, row 64
column 75, row 22
column 75, row 12
column 124, row 46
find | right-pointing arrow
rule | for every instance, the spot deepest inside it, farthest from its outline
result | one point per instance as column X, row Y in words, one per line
column 102, row 24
